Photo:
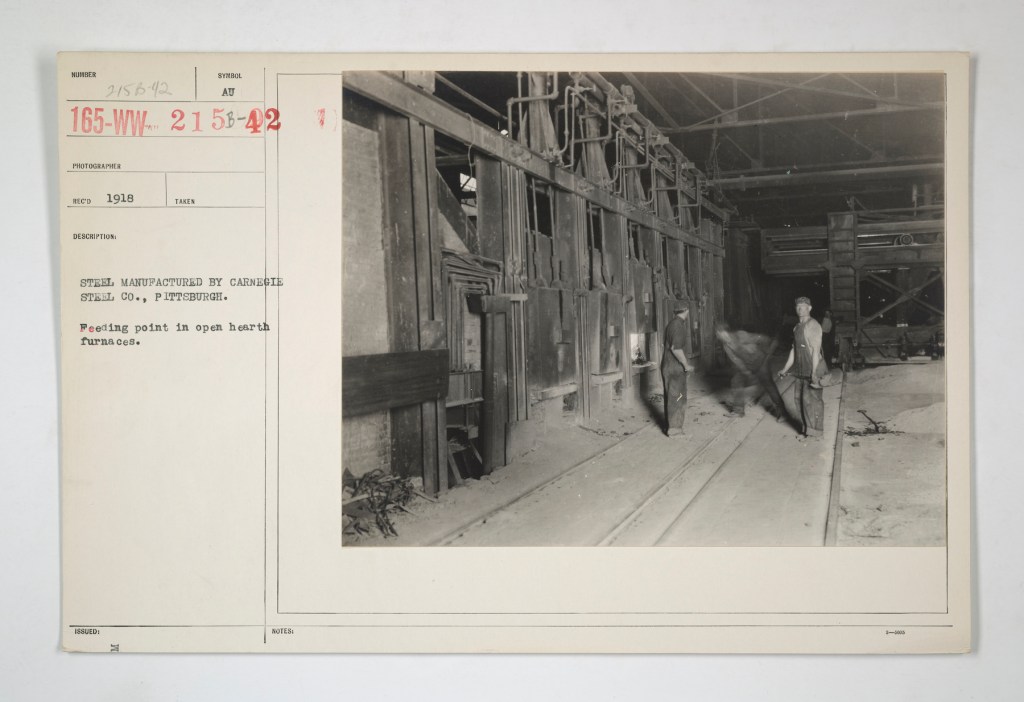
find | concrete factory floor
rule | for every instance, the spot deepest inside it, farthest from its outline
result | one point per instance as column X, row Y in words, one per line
column 728, row 482
column 893, row 486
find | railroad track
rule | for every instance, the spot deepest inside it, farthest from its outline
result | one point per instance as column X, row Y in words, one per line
column 454, row 534
column 674, row 484
column 653, row 517
column 675, row 480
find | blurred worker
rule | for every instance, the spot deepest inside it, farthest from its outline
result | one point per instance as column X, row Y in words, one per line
column 809, row 369
column 674, row 367
column 750, row 354
column 828, row 338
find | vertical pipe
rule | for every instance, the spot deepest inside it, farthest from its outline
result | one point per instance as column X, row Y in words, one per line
column 628, row 291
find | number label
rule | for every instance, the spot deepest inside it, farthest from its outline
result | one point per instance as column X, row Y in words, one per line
column 258, row 117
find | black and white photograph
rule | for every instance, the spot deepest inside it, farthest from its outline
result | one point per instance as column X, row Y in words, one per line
column 614, row 308
column 656, row 342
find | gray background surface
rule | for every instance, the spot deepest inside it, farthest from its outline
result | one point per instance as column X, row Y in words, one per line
column 31, row 665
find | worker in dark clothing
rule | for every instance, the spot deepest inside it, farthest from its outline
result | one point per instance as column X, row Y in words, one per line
column 674, row 367
column 750, row 354
column 809, row 369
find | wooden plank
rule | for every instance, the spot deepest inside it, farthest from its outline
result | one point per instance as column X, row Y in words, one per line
column 917, row 226
column 422, row 79
column 617, row 341
column 595, row 324
column 434, row 333
column 516, row 360
column 718, row 270
column 399, row 257
column 584, row 362
column 388, row 380
column 580, row 312
column 453, row 467
column 597, row 379
column 495, row 377
column 437, row 313
column 463, row 402
column 565, row 236
column 795, row 232
column 796, row 263
column 613, row 229
column 399, row 250
column 924, row 255
column 543, row 323
column 490, row 207
column 557, row 391
column 422, row 214
column 435, row 442
column 405, row 441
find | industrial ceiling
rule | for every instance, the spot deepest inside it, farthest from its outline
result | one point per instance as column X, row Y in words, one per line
column 779, row 149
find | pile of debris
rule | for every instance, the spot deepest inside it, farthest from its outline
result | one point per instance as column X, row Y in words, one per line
column 370, row 501
column 875, row 429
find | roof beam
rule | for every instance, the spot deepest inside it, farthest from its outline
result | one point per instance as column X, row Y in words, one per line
column 833, row 165
column 651, row 100
column 740, row 198
column 660, row 109
column 815, row 89
column 754, row 102
column 886, row 110
column 755, row 162
column 845, row 175
column 875, row 153
column 701, row 92
column 670, row 84
column 860, row 85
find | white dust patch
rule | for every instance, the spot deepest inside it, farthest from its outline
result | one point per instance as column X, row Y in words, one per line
column 922, row 420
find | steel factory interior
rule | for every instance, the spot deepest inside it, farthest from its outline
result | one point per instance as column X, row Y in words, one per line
column 515, row 245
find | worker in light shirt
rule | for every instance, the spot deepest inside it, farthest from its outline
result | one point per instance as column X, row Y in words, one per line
column 808, row 364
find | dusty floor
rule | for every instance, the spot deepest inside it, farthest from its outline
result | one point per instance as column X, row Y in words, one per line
column 743, row 481
column 893, row 483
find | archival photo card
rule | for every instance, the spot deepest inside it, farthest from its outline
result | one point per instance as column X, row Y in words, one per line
column 400, row 343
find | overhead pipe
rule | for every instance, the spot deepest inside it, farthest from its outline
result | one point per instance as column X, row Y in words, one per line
column 616, row 169
column 649, row 203
column 601, row 83
column 613, row 95
column 472, row 98
column 622, row 136
column 601, row 138
column 611, row 125
column 528, row 98
column 648, row 163
column 677, row 216
column 640, row 147
column 569, row 108
column 841, row 175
